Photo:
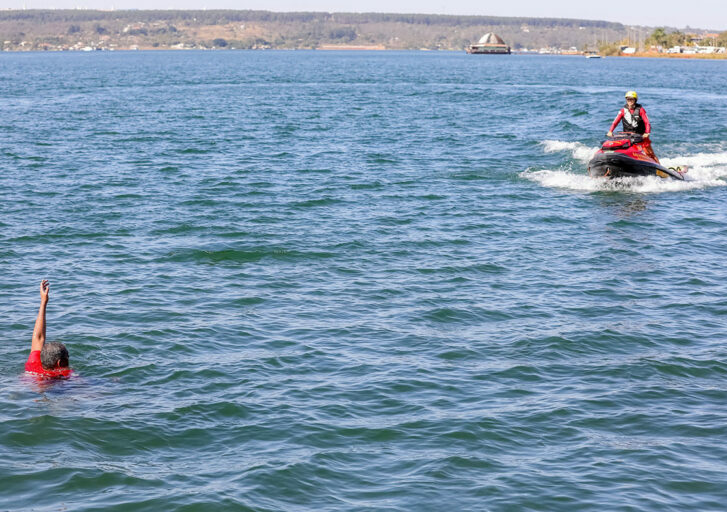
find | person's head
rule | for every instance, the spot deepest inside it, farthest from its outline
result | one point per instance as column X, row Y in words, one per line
column 631, row 97
column 54, row 355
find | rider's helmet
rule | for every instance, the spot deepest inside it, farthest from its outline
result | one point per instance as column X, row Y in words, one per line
column 632, row 94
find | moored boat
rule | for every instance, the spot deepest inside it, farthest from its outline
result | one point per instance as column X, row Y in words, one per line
column 489, row 44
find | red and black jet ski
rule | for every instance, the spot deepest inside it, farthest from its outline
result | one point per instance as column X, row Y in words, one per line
column 629, row 155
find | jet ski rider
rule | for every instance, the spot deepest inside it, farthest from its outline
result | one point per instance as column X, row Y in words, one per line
column 633, row 116
column 634, row 120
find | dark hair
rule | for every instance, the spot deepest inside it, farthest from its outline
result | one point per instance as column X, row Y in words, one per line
column 52, row 353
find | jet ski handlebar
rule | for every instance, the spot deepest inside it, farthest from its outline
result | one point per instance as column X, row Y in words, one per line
column 632, row 137
column 621, row 140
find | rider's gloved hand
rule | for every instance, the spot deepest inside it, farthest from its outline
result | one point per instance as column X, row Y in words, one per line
column 610, row 134
column 646, row 135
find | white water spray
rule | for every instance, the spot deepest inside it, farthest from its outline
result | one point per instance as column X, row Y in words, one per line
column 705, row 170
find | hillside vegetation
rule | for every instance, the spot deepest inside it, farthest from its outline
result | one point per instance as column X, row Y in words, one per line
column 73, row 29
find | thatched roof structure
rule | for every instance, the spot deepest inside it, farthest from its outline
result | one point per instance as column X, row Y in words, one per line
column 490, row 38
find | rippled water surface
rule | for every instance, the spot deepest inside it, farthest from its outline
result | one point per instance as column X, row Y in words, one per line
column 360, row 281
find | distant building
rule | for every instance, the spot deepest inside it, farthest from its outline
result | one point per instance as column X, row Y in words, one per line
column 490, row 43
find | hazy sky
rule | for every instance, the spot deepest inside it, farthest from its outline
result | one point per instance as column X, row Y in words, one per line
column 708, row 14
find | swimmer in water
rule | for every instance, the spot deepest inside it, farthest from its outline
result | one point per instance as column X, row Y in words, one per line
column 46, row 359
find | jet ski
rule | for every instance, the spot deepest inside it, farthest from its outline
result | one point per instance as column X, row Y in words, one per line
column 629, row 155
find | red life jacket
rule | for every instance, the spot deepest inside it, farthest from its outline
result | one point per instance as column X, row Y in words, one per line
column 33, row 365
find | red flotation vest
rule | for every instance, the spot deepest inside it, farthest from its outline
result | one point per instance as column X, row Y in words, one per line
column 33, row 365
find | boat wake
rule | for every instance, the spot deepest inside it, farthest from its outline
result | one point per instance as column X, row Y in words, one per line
column 578, row 151
column 705, row 170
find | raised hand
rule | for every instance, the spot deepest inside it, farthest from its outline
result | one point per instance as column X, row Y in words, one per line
column 44, row 290
column 39, row 329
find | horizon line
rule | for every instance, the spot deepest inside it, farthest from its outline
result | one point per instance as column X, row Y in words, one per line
column 6, row 9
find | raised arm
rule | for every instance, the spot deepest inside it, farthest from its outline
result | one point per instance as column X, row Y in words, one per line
column 39, row 330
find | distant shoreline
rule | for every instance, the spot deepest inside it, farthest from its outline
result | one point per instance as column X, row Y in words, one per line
column 381, row 48
column 702, row 56
column 88, row 30
column 352, row 47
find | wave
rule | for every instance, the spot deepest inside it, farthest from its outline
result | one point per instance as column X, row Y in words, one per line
column 702, row 166
column 233, row 255
column 705, row 170
column 578, row 150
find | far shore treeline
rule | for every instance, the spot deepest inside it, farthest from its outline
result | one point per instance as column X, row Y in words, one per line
column 245, row 29
column 76, row 29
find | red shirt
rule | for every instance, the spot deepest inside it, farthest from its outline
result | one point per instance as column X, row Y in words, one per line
column 34, row 365
column 644, row 117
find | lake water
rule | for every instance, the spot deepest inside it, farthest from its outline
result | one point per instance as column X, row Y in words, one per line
column 316, row 281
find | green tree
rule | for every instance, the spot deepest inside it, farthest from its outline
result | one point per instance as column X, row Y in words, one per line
column 343, row 33
column 658, row 37
column 609, row 49
column 677, row 38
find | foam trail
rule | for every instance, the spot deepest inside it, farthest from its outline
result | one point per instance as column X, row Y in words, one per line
column 583, row 183
column 705, row 170
column 578, row 151
column 702, row 166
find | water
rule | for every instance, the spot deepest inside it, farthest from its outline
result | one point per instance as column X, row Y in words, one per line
column 360, row 281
